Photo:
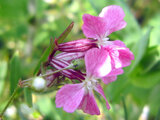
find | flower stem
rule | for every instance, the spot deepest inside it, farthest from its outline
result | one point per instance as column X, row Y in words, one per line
column 69, row 67
column 125, row 108
column 10, row 100
column 23, row 83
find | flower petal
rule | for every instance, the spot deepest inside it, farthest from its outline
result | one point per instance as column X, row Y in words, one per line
column 113, row 15
column 119, row 43
column 100, row 91
column 109, row 79
column 125, row 55
column 115, row 72
column 98, row 62
column 69, row 97
column 94, row 27
column 114, row 54
column 89, row 105
column 120, row 55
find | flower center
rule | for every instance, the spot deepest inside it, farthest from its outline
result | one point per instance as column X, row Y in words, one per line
column 103, row 42
column 90, row 84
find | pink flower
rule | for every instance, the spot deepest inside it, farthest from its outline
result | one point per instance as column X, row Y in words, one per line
column 110, row 20
column 80, row 96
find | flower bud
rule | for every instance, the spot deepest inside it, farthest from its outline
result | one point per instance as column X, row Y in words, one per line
column 70, row 73
column 70, row 56
column 81, row 45
column 39, row 84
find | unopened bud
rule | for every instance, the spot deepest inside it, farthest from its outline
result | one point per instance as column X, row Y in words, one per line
column 81, row 45
column 39, row 84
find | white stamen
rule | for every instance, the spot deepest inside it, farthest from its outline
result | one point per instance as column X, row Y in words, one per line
column 90, row 84
column 103, row 42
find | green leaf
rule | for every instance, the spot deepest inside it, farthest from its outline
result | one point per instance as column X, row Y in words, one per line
column 146, row 74
column 146, row 80
column 154, row 99
column 15, row 71
column 151, row 60
column 140, row 49
column 28, row 96
column 3, row 73
column 61, row 38
column 52, row 45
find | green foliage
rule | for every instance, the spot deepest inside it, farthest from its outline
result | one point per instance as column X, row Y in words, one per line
column 3, row 73
column 15, row 71
column 28, row 96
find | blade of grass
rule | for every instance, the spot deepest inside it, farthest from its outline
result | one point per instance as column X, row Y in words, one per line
column 125, row 108
column 14, row 71
column 28, row 96
column 3, row 73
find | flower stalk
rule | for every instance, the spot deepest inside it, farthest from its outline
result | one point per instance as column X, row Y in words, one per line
column 10, row 100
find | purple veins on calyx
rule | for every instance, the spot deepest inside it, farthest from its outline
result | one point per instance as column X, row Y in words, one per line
column 81, row 45
column 70, row 73
column 70, row 56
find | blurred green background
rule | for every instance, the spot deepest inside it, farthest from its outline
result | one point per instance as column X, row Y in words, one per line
column 26, row 27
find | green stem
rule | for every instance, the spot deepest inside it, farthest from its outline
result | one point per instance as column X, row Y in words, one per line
column 10, row 100
column 27, row 81
column 69, row 67
column 158, row 115
column 125, row 108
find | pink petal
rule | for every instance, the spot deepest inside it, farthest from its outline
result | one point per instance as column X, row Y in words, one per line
column 125, row 55
column 69, row 97
column 94, row 27
column 119, row 43
column 120, row 55
column 98, row 62
column 109, row 79
column 116, row 62
column 115, row 72
column 89, row 105
column 100, row 91
column 113, row 15
column 112, row 76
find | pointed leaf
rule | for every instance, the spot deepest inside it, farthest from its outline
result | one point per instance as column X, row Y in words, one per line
column 28, row 96
column 3, row 73
column 51, row 47
column 140, row 49
column 15, row 71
